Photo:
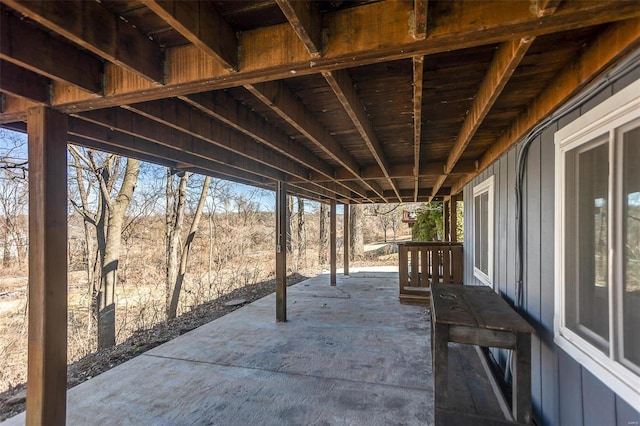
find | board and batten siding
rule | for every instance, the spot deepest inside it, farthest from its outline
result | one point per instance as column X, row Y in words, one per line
column 563, row 391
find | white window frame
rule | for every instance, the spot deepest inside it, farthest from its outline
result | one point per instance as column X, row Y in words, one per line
column 485, row 187
column 604, row 120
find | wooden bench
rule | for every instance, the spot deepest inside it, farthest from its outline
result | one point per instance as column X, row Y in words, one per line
column 477, row 315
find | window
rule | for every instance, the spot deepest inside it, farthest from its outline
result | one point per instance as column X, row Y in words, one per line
column 598, row 238
column 483, row 231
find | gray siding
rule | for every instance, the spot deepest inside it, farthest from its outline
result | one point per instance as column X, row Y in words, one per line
column 563, row 392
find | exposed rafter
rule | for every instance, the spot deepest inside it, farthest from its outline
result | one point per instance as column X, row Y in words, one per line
column 397, row 171
column 617, row 39
column 94, row 27
column 201, row 24
column 342, row 86
column 304, row 16
column 377, row 31
column 224, row 108
column 93, row 136
column 420, row 19
column 278, row 97
column 418, row 73
column 35, row 50
column 18, row 81
column 183, row 117
column 504, row 63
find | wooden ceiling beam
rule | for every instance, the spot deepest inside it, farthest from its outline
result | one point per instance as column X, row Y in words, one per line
column 420, row 19
column 598, row 56
column 23, row 83
column 342, row 86
column 92, row 26
column 226, row 109
column 278, row 97
column 304, row 16
column 408, row 195
column 134, row 147
column 183, row 117
column 186, row 149
column 504, row 63
column 35, row 50
column 201, row 24
column 377, row 31
column 397, row 171
column 418, row 73
column 104, row 126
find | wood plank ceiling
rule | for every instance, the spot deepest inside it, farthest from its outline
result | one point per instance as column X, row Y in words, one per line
column 356, row 101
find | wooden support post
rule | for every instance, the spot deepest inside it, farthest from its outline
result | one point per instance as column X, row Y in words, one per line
column 332, row 242
column 454, row 219
column 447, row 224
column 47, row 353
column 345, row 239
column 281, row 252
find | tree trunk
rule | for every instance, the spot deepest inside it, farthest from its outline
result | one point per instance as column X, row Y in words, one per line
column 356, row 240
column 324, row 235
column 111, row 253
column 302, row 237
column 184, row 258
column 289, row 217
column 176, row 201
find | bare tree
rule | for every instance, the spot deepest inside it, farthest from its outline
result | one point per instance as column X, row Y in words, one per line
column 302, row 234
column 107, row 217
column 13, row 198
column 356, row 238
column 324, row 234
column 290, row 218
column 176, row 202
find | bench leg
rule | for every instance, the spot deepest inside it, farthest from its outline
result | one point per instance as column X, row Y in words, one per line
column 521, row 401
column 440, row 365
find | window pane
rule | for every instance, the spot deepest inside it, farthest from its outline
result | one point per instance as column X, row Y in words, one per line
column 478, row 235
column 481, row 244
column 484, row 212
column 587, row 280
column 631, row 241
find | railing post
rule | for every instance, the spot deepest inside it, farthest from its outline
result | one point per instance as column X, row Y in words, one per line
column 403, row 267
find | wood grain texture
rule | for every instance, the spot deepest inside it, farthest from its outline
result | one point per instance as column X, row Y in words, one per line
column 304, row 16
column 47, row 349
column 201, row 24
column 342, row 86
column 18, row 81
column 95, row 28
column 281, row 252
column 601, row 54
column 33, row 49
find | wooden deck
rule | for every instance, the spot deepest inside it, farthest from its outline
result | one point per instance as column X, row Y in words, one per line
column 348, row 355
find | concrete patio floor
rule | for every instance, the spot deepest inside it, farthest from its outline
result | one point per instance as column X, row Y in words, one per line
column 349, row 355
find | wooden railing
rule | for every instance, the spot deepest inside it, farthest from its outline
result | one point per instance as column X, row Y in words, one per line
column 425, row 263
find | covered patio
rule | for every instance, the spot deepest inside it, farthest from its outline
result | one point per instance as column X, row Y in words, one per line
column 342, row 102
column 349, row 354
